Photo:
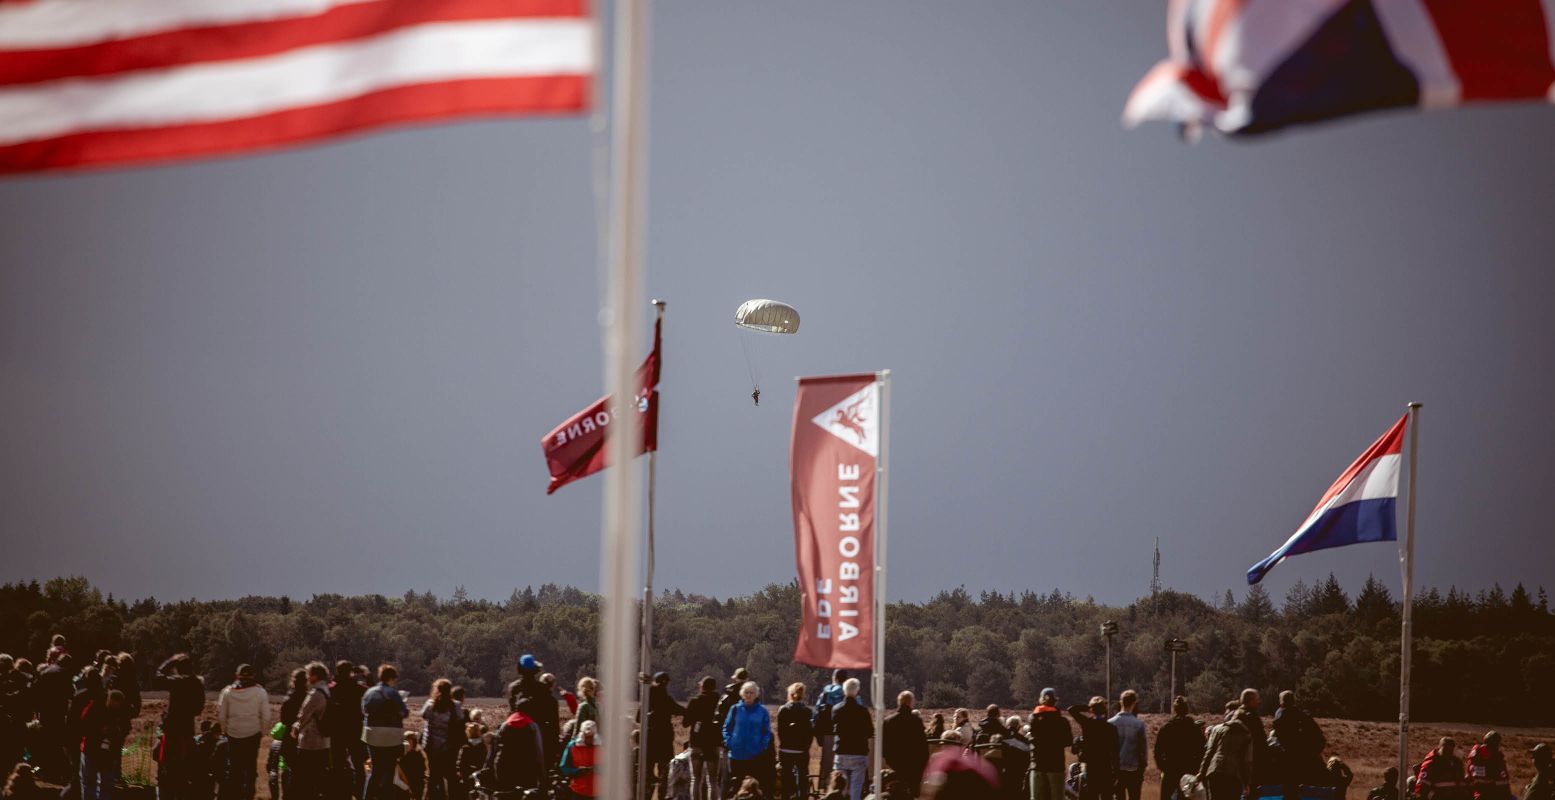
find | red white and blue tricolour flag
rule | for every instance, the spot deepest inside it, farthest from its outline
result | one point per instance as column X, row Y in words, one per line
column 1359, row 507
column 1252, row 66
column 91, row 83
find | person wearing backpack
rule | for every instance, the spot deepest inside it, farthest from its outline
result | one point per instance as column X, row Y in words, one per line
column 383, row 731
column 794, row 734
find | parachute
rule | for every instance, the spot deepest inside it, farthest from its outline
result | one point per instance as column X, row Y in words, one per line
column 761, row 316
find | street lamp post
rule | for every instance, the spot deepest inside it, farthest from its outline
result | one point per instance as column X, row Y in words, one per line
column 1109, row 629
column 1175, row 646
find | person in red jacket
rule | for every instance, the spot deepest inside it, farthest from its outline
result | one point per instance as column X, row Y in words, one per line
column 1486, row 770
column 1441, row 773
column 579, row 759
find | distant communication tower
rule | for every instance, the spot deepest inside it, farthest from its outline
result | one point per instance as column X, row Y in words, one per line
column 1155, row 579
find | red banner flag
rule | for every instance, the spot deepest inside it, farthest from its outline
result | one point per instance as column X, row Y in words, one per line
column 576, row 448
column 835, row 448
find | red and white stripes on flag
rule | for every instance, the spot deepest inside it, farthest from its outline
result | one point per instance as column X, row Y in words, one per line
column 87, row 83
column 1251, row 66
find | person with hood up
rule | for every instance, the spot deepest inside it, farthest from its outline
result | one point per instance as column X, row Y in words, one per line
column 1179, row 748
column 243, row 711
column 794, row 734
column 747, row 735
column 1098, row 748
column 579, row 760
column 1441, row 773
column 903, row 744
column 828, row 696
column 706, row 741
column 518, row 760
column 1486, row 770
column 1542, row 787
column 383, row 731
column 529, row 695
column 662, row 710
column 1050, row 737
column 1227, row 767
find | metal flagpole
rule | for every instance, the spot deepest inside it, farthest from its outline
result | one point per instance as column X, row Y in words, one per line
column 646, row 656
column 882, row 478
column 1407, row 558
column 622, row 288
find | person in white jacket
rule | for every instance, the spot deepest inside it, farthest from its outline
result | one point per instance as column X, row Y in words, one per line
column 244, row 714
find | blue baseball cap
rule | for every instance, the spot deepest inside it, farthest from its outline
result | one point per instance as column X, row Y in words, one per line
column 527, row 663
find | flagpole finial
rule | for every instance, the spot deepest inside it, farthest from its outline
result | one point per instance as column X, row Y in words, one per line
column 1414, row 405
column 659, row 303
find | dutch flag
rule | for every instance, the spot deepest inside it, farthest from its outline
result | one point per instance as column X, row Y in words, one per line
column 1359, row 507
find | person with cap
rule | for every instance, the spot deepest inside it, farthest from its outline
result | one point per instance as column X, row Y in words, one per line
column 660, row 733
column 243, row 711
column 1486, row 770
column 1050, row 737
column 731, row 698
column 1098, row 748
column 853, row 726
column 1179, row 748
column 747, row 733
column 1389, row 788
column 383, row 728
column 706, row 741
column 1542, row 787
column 828, row 696
column 903, row 743
column 1441, row 773
column 1227, row 767
column 529, row 695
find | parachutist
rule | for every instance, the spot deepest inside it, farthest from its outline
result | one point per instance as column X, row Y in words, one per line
column 756, row 396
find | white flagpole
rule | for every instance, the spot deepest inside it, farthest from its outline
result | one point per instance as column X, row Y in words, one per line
column 1407, row 558
column 882, row 478
column 646, row 656
column 623, row 484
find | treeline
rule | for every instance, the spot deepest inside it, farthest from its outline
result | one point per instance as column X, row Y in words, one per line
column 1485, row 657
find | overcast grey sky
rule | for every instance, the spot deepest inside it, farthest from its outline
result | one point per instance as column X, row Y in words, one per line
column 328, row 370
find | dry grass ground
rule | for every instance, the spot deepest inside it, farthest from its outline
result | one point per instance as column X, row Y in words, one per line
column 1368, row 747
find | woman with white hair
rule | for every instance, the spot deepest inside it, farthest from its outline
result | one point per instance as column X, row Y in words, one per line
column 748, row 738
column 579, row 758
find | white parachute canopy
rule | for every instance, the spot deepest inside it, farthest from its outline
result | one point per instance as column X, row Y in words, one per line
column 762, row 316
column 767, row 316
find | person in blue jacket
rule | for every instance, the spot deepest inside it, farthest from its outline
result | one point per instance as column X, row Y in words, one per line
column 748, row 737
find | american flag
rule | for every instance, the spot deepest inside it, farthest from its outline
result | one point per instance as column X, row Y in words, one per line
column 92, row 83
column 1251, row 66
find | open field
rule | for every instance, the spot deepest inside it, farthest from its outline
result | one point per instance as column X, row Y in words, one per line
column 1368, row 747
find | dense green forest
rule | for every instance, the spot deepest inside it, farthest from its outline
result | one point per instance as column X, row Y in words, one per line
column 1484, row 657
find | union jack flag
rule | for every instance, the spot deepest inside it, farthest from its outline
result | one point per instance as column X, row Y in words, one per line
column 1253, row 66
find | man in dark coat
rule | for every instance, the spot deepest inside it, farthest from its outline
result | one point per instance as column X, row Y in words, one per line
column 185, row 701
column 16, row 708
column 1098, row 748
column 1298, row 743
column 1179, row 748
column 706, row 739
column 904, row 746
column 1227, row 767
column 52, row 692
column 529, row 695
column 662, row 709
